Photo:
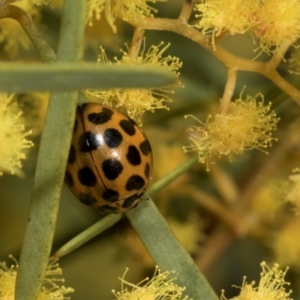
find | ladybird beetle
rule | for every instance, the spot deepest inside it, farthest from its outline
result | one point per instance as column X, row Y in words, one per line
column 110, row 160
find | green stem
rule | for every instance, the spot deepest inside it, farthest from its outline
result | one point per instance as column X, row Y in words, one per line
column 45, row 52
column 43, row 49
column 170, row 177
column 51, row 165
column 86, row 235
column 44, row 205
column 166, row 250
column 71, row 40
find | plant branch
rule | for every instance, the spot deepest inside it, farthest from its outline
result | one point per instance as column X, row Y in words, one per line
column 43, row 49
column 278, row 56
column 186, row 11
column 224, row 183
column 214, row 206
column 215, row 245
column 230, row 61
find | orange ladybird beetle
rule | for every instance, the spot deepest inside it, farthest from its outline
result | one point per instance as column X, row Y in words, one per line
column 110, row 159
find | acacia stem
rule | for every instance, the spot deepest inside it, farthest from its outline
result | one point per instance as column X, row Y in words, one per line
column 229, row 60
column 229, row 89
column 136, row 42
column 186, row 11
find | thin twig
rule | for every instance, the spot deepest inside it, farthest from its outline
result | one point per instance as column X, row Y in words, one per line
column 136, row 42
column 229, row 89
column 186, row 11
column 224, row 183
column 228, row 59
column 278, row 56
column 214, row 206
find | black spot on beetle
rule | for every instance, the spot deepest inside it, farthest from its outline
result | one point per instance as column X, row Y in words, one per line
column 128, row 202
column 135, row 182
column 112, row 137
column 87, row 199
column 110, row 195
column 87, row 177
column 100, row 118
column 133, row 156
column 128, row 126
column 112, row 168
column 147, row 170
column 88, row 142
column 69, row 179
column 72, row 155
column 145, row 147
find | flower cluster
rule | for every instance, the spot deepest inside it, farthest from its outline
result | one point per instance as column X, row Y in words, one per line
column 127, row 10
column 134, row 102
column 14, row 37
column 12, row 136
column 246, row 125
column 94, row 9
column 271, row 286
column 274, row 22
column 217, row 16
column 159, row 287
column 50, row 290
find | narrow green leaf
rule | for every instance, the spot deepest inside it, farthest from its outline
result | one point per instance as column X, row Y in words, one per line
column 44, row 205
column 167, row 252
column 72, row 76
column 51, row 164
